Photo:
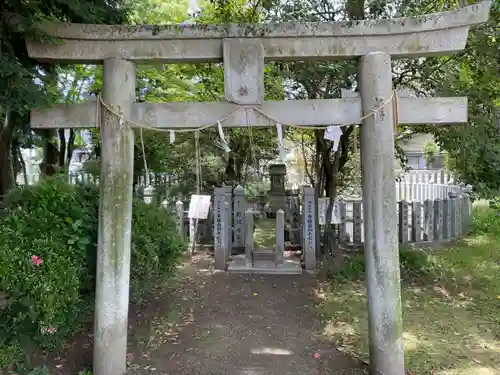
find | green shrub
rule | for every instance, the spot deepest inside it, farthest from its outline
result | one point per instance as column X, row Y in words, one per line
column 156, row 246
column 48, row 247
column 55, row 223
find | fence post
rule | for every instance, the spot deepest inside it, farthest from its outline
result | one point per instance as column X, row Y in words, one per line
column 239, row 217
column 293, row 220
column 342, row 225
column 192, row 234
column 280, row 236
column 458, row 216
column 428, row 220
column 356, row 222
column 309, row 240
column 249, row 238
column 228, row 219
column 403, row 222
column 447, row 219
column 453, row 214
column 465, row 214
column 438, row 219
column 220, row 230
column 416, row 222
column 179, row 207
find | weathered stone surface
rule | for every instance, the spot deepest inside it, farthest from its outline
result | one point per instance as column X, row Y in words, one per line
column 115, row 222
column 179, row 218
column 428, row 221
column 414, row 36
column 280, row 237
column 357, row 222
column 309, row 236
column 228, row 219
column 243, row 71
column 380, row 218
column 249, row 238
column 277, row 199
column 438, row 220
column 416, row 222
column 403, row 222
column 220, row 229
column 297, row 112
column 239, row 207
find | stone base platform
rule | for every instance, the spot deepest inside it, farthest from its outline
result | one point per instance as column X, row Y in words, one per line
column 290, row 266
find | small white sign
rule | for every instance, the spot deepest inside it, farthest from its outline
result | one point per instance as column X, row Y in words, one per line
column 322, row 206
column 199, row 206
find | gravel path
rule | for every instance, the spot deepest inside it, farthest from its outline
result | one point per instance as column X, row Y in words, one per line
column 217, row 324
column 249, row 325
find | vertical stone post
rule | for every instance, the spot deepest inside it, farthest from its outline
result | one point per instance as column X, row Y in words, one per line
column 428, row 221
column 228, row 219
column 179, row 207
column 220, row 230
column 385, row 320
column 403, row 222
column 416, row 222
column 438, row 220
column 356, row 222
column 249, row 239
column 115, row 220
column 239, row 217
column 342, row 225
column 309, row 238
column 458, row 217
column 192, row 234
column 280, row 237
column 294, row 222
column 453, row 214
column 447, row 219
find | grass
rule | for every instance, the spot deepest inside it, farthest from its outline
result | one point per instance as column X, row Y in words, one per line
column 451, row 304
column 264, row 234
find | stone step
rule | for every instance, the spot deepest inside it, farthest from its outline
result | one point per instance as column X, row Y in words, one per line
column 238, row 266
column 264, row 254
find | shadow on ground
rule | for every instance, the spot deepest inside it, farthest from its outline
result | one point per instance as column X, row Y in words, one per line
column 220, row 324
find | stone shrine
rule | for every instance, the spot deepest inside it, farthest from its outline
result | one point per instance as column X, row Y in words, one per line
column 277, row 194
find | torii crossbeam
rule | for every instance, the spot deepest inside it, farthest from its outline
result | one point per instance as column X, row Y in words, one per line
column 244, row 49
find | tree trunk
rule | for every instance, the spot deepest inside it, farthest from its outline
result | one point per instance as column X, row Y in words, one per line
column 50, row 162
column 70, row 146
column 23, row 168
column 62, row 148
column 7, row 180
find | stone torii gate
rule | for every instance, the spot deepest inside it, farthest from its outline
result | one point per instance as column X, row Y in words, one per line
column 244, row 49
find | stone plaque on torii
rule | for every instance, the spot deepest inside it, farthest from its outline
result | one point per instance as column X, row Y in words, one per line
column 244, row 49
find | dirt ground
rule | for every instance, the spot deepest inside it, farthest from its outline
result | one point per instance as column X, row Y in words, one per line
column 218, row 324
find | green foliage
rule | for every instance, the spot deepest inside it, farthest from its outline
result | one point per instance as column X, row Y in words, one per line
column 352, row 269
column 156, row 246
column 486, row 218
column 48, row 259
column 55, row 222
column 255, row 189
column 431, row 151
column 474, row 148
column 413, row 263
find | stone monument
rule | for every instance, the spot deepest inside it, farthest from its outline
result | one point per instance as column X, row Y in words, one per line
column 277, row 194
